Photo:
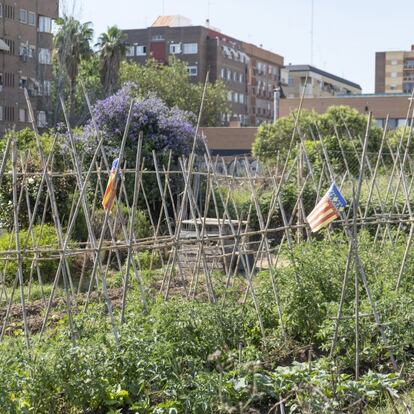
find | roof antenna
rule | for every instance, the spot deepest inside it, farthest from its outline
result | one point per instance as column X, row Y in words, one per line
column 208, row 10
column 312, row 31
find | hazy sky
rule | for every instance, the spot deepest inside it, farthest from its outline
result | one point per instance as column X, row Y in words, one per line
column 347, row 33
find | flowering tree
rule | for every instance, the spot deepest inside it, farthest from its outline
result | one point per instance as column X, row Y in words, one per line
column 164, row 129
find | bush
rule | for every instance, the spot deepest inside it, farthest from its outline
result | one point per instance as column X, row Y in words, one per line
column 142, row 226
column 63, row 185
column 44, row 238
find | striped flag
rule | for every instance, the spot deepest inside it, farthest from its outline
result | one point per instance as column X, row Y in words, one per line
column 328, row 209
column 110, row 192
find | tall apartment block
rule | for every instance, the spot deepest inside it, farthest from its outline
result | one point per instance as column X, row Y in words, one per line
column 317, row 83
column 249, row 72
column 394, row 71
column 26, row 44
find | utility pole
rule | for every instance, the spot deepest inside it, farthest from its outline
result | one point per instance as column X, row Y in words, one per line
column 276, row 104
column 311, row 31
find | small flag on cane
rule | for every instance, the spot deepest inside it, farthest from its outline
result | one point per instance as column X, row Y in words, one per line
column 328, row 209
column 110, row 192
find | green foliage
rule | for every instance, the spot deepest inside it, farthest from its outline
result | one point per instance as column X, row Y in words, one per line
column 45, row 238
column 141, row 227
column 171, row 84
column 342, row 128
column 63, row 185
column 195, row 357
column 112, row 50
column 72, row 45
column 181, row 357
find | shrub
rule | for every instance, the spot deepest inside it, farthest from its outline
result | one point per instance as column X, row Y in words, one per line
column 44, row 237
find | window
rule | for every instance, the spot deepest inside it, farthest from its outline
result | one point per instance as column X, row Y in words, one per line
column 192, row 70
column 23, row 16
column 9, row 11
column 229, row 96
column 9, row 79
column 158, row 37
column 401, row 122
column 130, row 51
column 9, row 113
column 393, row 75
column 46, row 88
column 394, row 61
column 235, row 97
column 235, row 76
column 241, row 98
column 24, row 49
column 241, row 78
column 12, row 45
column 41, row 119
column 45, row 57
column 190, row 48
column 32, row 18
column 22, row 115
column 175, row 48
column 223, row 73
column 32, row 51
column 45, row 24
column 1, row 15
column 141, row 50
column 1, row 113
column 23, row 82
column 229, row 75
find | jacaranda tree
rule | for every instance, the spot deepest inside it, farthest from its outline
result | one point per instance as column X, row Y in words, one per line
column 164, row 130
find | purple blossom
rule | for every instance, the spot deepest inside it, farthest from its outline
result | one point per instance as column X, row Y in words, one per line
column 164, row 129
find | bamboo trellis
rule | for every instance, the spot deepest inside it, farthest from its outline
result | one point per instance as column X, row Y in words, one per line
column 205, row 199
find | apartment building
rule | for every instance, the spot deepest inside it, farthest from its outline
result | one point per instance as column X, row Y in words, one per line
column 250, row 73
column 394, row 106
column 26, row 44
column 319, row 83
column 394, row 71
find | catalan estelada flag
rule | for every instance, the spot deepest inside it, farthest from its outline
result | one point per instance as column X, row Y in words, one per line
column 328, row 209
column 110, row 192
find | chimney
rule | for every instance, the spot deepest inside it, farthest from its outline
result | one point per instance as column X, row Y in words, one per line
column 412, row 48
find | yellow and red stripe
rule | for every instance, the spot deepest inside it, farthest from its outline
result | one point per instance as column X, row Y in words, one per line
column 323, row 214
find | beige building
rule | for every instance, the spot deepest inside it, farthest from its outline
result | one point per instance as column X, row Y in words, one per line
column 319, row 83
column 394, row 71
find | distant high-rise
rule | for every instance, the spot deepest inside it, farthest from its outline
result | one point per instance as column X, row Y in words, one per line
column 26, row 44
column 250, row 73
column 394, row 71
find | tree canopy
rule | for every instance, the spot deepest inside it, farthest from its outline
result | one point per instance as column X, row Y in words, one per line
column 337, row 123
column 72, row 46
column 171, row 84
column 112, row 49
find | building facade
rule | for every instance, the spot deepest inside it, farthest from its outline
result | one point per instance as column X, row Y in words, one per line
column 395, row 106
column 394, row 71
column 250, row 73
column 319, row 83
column 26, row 45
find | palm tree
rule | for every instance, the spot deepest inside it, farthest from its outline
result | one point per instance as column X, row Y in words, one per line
column 112, row 50
column 72, row 44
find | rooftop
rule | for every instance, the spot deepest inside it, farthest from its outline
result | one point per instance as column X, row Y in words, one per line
column 310, row 68
column 172, row 21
